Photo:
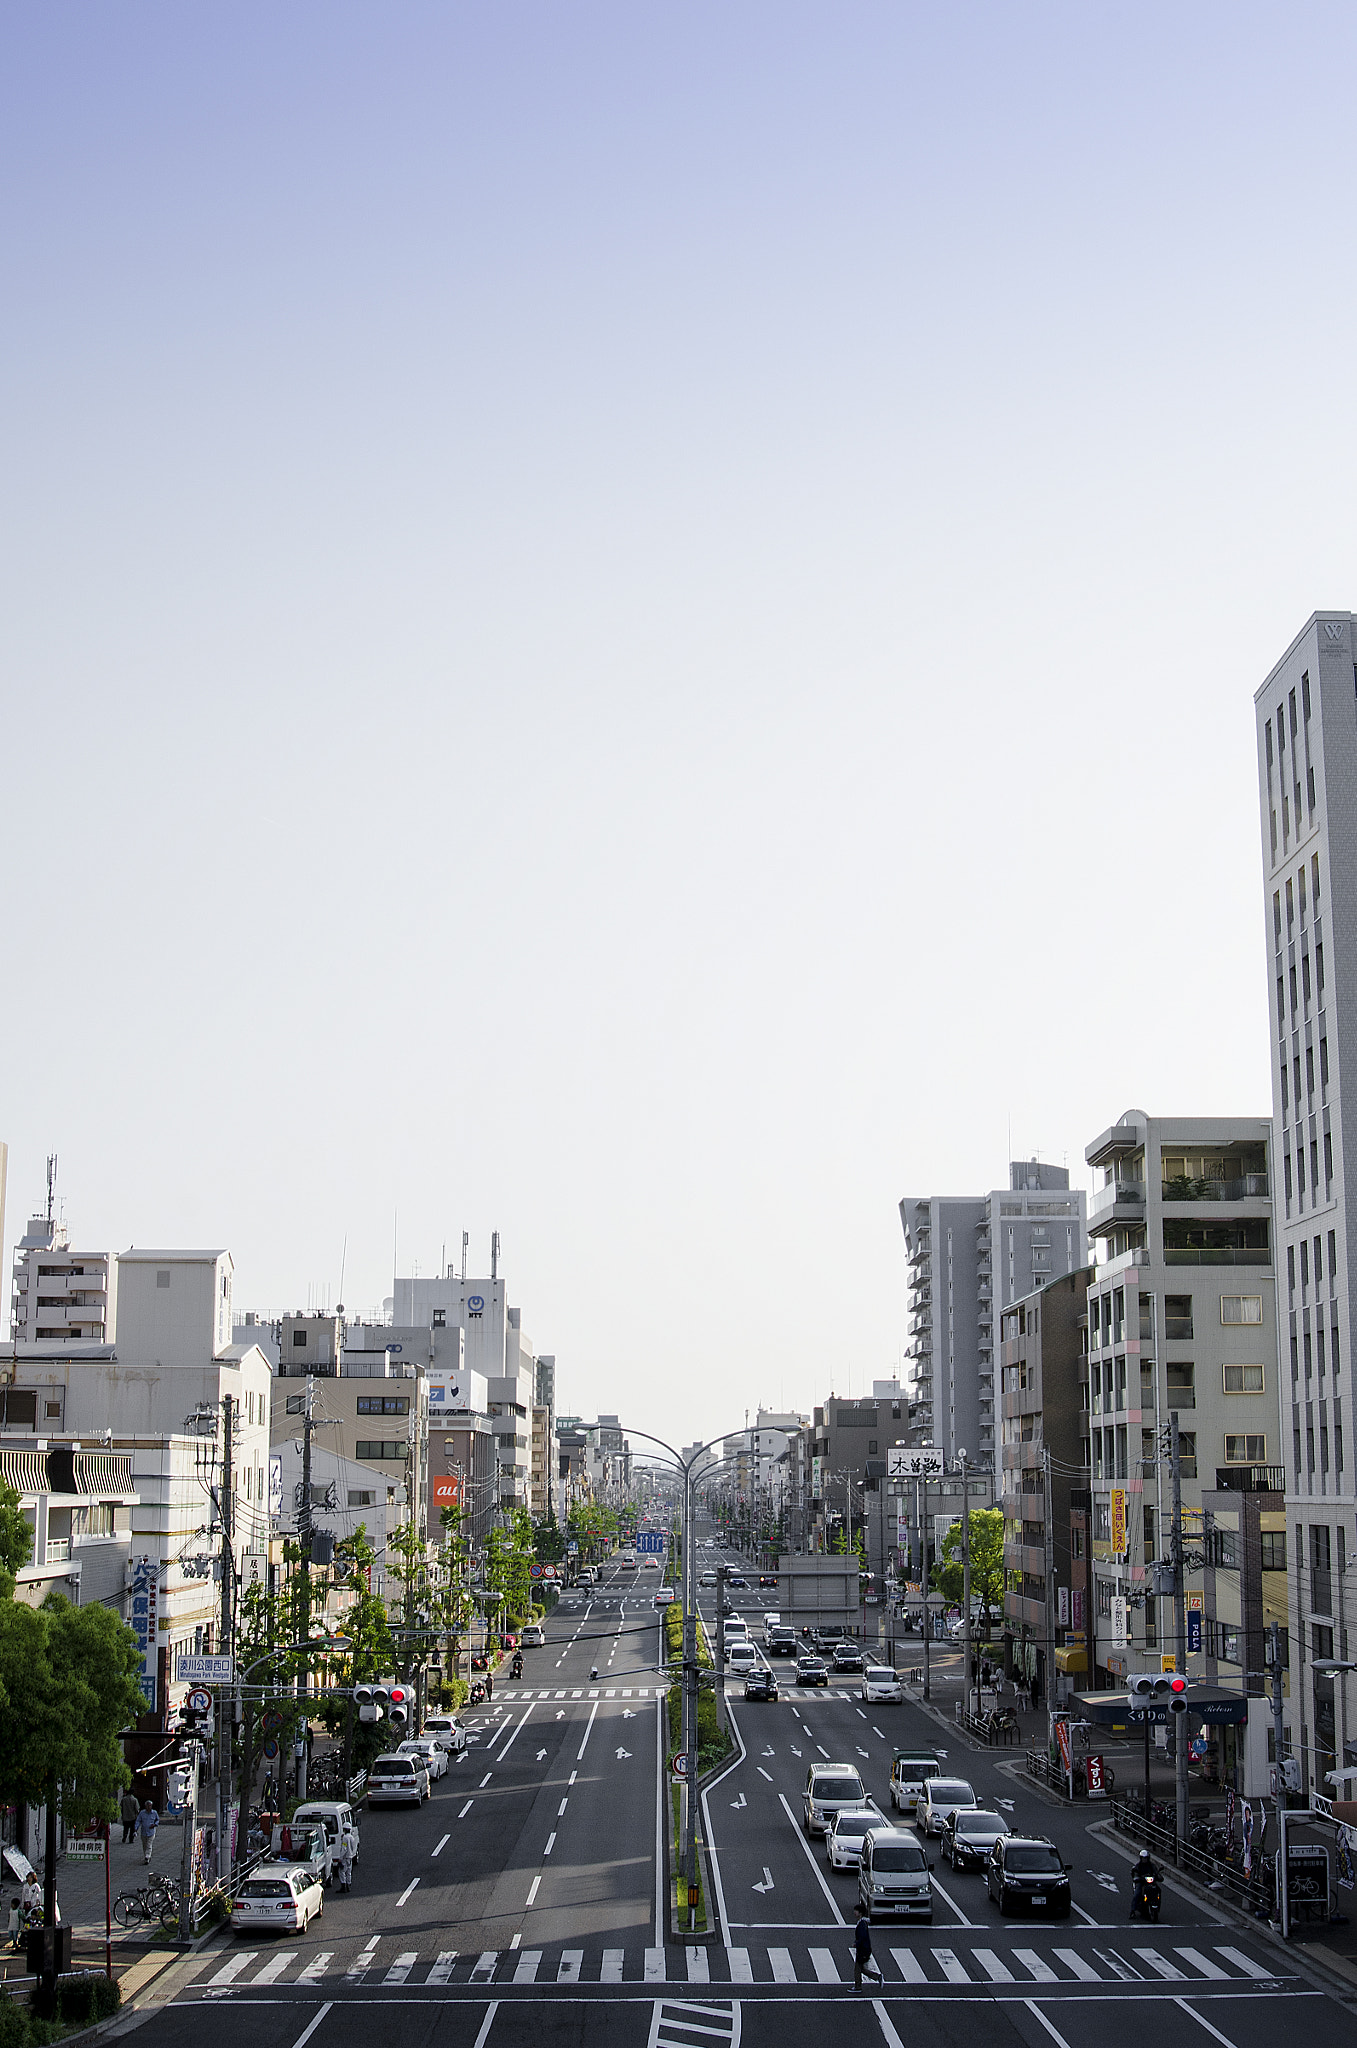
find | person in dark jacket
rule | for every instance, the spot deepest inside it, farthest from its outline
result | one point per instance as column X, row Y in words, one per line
column 130, row 1809
column 862, row 1953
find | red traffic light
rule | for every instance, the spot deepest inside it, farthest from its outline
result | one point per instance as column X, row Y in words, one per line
column 1178, row 1694
column 397, row 1695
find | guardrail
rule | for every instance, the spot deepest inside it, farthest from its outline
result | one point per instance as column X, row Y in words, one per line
column 1254, row 1892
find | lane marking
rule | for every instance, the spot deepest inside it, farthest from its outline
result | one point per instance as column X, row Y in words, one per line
column 532, row 1888
column 551, row 1843
column 588, row 1727
column 514, row 1737
column 485, row 1781
column 1192, row 2013
column 764, row 1774
column 408, row 1889
column 310, row 2028
column 814, row 1862
column 888, row 2033
column 466, row 1809
column 441, row 1847
column 1057, row 2037
column 490, row 2012
column 561, row 1808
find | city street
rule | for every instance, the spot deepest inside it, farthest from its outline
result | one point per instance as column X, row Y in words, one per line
column 525, row 1901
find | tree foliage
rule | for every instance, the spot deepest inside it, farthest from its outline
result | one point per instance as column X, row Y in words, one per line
column 71, row 1681
column 987, row 1560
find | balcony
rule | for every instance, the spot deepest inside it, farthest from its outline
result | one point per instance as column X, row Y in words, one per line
column 1218, row 1255
column 1250, row 1187
column 1122, row 1203
column 1251, row 1478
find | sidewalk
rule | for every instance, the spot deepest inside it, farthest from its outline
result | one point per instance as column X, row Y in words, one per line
column 83, row 1894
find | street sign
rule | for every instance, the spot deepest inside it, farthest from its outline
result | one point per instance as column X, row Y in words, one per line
column 534, row 1571
column 651, row 1541
column 84, row 1848
column 199, row 1703
column 678, row 1763
column 903, row 1462
column 204, row 1671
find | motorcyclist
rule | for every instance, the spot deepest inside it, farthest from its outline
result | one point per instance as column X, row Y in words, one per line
column 1144, row 1881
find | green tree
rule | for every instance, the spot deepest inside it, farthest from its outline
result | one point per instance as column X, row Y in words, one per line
column 548, row 1539
column 71, row 1682
column 16, row 1540
column 987, row 1560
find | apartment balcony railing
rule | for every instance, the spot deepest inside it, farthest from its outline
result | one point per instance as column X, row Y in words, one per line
column 1218, row 1255
column 1178, row 1329
column 1249, row 1187
column 1251, row 1478
column 1126, row 1195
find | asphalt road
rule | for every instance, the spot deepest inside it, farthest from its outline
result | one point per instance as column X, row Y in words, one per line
column 523, row 1903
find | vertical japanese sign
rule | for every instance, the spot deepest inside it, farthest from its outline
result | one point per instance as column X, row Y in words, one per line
column 1063, row 1606
column 1118, row 1520
column 145, row 1590
column 1194, row 1624
column 1118, row 1622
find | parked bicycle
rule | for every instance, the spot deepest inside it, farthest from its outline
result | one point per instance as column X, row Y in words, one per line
column 152, row 1901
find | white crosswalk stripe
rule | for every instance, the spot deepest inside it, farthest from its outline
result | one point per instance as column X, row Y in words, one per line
column 931, row 1963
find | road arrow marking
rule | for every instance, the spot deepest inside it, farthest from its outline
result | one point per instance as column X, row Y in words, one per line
column 560, row 1713
column 623, row 1752
column 766, row 1752
column 1105, row 1879
column 736, row 1804
column 1007, row 1804
column 795, row 1751
column 863, row 1752
column 627, row 1714
column 540, row 1755
column 767, row 1885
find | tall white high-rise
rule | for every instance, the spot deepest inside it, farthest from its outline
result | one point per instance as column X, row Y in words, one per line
column 1306, row 717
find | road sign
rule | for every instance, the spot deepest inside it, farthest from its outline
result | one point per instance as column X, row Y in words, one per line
column 651, row 1541
column 534, row 1571
column 678, row 1763
column 84, row 1848
column 204, row 1670
column 199, row 1703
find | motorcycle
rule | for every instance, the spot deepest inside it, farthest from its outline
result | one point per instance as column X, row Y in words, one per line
column 477, row 1693
column 1145, row 1889
column 516, row 1668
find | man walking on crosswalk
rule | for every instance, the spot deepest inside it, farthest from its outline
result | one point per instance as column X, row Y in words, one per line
column 862, row 1953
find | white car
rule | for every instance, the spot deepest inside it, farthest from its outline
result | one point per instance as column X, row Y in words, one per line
column 663, row 1595
column 337, row 1818
column 939, row 1798
column 844, row 1835
column 533, row 1636
column 879, row 1682
column 828, row 1787
column 398, row 1780
column 741, row 1658
column 770, row 1621
column 281, row 1896
column 434, row 1755
column 447, row 1731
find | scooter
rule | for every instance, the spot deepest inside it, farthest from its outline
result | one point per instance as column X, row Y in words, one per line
column 477, row 1693
column 1145, row 1891
column 516, row 1668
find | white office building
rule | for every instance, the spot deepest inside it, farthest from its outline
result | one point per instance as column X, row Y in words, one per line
column 1307, row 784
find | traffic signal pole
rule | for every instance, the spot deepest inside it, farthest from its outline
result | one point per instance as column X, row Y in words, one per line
column 1179, row 1626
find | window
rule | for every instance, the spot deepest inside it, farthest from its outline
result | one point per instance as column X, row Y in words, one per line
column 1237, row 1309
column 440, row 1319
column 1310, row 787
column 1305, row 694
column 1321, row 1640
column 1305, row 976
column 1177, row 1316
column 361, row 1497
column 162, row 1278
column 1273, row 1557
column 1323, row 1062
column 51, row 1408
column 1267, row 739
column 1243, row 1379
column 1246, row 1450
column 298, row 1338
column 1102, row 1521
column 1319, row 972
column 383, row 1404
column 378, row 1447
column 1314, row 879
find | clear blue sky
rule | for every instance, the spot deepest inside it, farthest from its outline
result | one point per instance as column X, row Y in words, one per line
column 637, row 626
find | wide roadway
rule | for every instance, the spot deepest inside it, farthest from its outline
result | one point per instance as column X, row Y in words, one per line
column 523, row 1900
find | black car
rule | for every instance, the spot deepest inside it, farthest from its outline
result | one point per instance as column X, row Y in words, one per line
column 768, row 1578
column 848, row 1657
column 760, row 1685
column 1024, row 1873
column 811, row 1671
column 781, row 1642
column 737, row 1579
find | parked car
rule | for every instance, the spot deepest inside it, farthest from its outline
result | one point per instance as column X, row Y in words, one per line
column 845, row 1834
column 1025, row 1873
column 811, row 1671
column 337, row 1818
column 939, row 1798
column 848, row 1657
column 278, row 1896
column 828, row 1787
column 760, row 1684
column 398, row 1780
column 447, row 1730
column 434, row 1755
column 879, row 1682
column 534, row 1636
column 893, row 1876
column 968, row 1835
column 910, row 1771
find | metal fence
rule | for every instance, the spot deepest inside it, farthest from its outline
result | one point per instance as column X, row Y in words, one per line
column 1223, row 1874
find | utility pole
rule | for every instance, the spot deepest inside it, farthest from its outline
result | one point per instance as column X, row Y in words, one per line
column 304, row 1533
column 965, row 1584
column 1050, row 1587
column 1179, row 1624
column 721, row 1576
column 690, row 1691
column 225, row 1712
column 923, row 1579
column 1278, row 1731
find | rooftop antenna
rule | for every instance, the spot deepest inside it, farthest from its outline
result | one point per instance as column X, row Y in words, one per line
column 343, row 1261
column 51, row 1188
column 494, row 1253
column 466, row 1239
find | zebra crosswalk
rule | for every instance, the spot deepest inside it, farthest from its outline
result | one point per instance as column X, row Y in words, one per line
column 577, row 1692
column 936, row 1964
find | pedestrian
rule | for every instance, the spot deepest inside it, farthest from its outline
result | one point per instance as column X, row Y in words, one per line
column 862, row 1953
column 129, row 1811
column 1036, row 1692
column 148, row 1820
column 489, row 1685
column 345, row 1860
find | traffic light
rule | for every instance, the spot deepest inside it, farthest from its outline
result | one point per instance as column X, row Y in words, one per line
column 1149, row 1688
column 371, row 1702
column 1177, row 1692
column 401, row 1700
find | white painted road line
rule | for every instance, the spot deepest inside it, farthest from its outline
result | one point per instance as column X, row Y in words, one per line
column 953, row 1904
column 406, row 1893
column 1074, row 1962
column 780, row 1962
column 952, row 1968
column 466, row 1809
column 532, row 1888
column 274, row 1969
column 551, row 1843
column 1241, row 1962
column 1160, row 1964
column 317, row 1967
column 1030, row 1960
column 1215, row 2032
column 613, row 1959
column 441, row 1973
column 740, row 1971
column 441, row 1847
column 909, row 1966
column 514, row 1737
column 401, row 1968
column 822, row 1962
column 588, row 1727
column 698, row 1971
column 309, row 2029
column 814, row 1862
column 485, row 1968
column 1042, row 2020
column 526, row 1972
column 997, row 1971
column 228, row 1972
column 486, row 2023
column 1198, row 1962
column 655, row 1966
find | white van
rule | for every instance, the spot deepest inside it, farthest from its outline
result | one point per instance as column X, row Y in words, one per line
column 741, row 1658
column 336, row 1816
column 737, row 1629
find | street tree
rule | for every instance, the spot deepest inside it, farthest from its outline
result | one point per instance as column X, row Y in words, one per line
column 987, row 1561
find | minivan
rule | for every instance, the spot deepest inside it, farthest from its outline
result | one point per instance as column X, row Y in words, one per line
column 533, row 1637
column 940, row 1798
column 741, row 1657
column 828, row 1787
column 893, row 1876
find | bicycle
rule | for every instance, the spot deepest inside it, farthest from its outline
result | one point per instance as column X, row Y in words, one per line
column 149, row 1902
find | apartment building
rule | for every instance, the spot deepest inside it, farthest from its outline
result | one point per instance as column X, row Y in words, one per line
column 1043, row 1366
column 374, row 1411
column 1307, row 790
column 969, row 1257
column 59, row 1295
column 1182, row 1321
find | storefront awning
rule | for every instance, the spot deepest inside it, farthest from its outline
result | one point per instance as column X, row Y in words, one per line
column 1205, row 1703
column 1075, row 1658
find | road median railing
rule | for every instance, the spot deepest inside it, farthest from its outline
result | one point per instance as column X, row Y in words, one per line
column 1253, row 1893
